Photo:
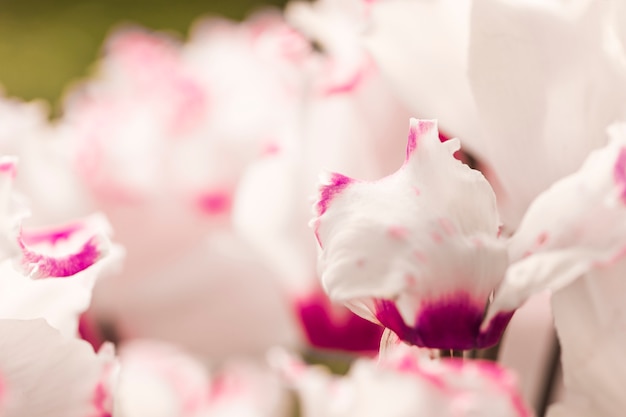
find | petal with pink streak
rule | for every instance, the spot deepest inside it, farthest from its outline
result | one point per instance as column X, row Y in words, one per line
column 46, row 374
column 421, row 49
column 65, row 250
column 573, row 227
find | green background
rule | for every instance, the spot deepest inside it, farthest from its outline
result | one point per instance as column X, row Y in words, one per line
column 46, row 44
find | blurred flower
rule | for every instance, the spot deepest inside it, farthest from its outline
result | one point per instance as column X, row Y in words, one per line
column 156, row 379
column 403, row 384
column 162, row 145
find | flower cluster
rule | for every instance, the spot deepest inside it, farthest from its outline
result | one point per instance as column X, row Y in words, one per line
column 158, row 256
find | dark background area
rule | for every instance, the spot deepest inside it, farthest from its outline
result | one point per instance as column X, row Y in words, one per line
column 46, row 44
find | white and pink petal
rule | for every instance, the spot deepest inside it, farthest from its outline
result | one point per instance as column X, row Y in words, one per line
column 416, row 248
column 575, row 226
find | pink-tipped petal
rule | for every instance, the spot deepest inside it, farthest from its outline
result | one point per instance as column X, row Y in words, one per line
column 573, row 227
column 66, row 250
column 412, row 261
column 403, row 383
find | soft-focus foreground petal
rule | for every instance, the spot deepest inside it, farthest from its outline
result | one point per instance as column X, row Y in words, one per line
column 71, row 257
column 46, row 374
column 548, row 78
column 404, row 384
column 417, row 251
column 591, row 324
column 221, row 299
column 157, row 379
column 267, row 192
column 576, row 225
column 421, row 46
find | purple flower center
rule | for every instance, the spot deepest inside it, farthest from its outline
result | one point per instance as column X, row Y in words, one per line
column 448, row 323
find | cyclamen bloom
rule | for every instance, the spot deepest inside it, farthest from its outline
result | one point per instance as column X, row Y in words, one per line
column 405, row 384
column 156, row 379
column 417, row 251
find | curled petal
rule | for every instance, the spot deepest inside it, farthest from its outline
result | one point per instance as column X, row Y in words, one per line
column 66, row 250
column 573, row 227
column 416, row 248
column 59, row 301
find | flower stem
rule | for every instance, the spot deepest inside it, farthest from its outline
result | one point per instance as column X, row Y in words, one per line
column 450, row 353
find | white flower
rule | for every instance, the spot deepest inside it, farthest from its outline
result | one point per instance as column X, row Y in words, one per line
column 417, row 251
column 156, row 379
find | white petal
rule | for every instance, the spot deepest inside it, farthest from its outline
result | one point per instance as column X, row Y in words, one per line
column 46, row 374
column 569, row 229
column 421, row 46
column 547, row 82
column 589, row 317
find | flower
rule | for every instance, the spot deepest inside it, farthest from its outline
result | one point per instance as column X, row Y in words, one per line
column 417, row 251
column 157, row 379
column 47, row 374
column 404, row 383
column 166, row 171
